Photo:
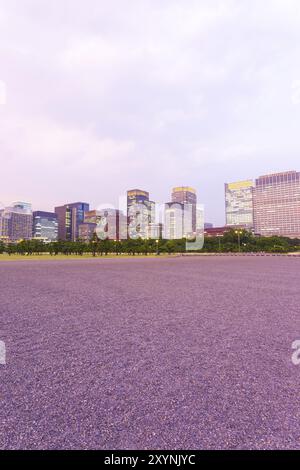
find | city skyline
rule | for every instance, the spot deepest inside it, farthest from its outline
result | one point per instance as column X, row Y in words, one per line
column 149, row 94
column 36, row 206
column 266, row 206
column 114, row 201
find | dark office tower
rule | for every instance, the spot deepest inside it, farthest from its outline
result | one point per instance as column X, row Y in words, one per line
column 186, row 195
column 64, row 222
column 276, row 202
column 70, row 216
column 45, row 226
column 137, row 196
column 78, row 209
column 146, row 212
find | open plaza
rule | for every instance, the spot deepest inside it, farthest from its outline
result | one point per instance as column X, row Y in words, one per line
column 187, row 352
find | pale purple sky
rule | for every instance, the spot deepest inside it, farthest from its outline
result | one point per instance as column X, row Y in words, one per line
column 102, row 96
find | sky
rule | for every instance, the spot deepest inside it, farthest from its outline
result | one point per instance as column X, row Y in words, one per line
column 97, row 97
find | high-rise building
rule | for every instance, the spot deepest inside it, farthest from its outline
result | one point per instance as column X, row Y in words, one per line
column 276, row 202
column 45, row 226
column 4, row 226
column 181, row 214
column 184, row 195
column 16, row 223
column 187, row 196
column 70, row 216
column 111, row 223
column 64, row 218
column 26, row 206
column 155, row 231
column 239, row 203
column 137, row 196
column 174, row 221
column 86, row 231
column 140, row 213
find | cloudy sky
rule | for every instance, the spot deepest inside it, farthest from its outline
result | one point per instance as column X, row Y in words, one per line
column 100, row 96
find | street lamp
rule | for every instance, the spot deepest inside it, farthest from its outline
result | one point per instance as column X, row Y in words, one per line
column 239, row 232
column 157, row 251
column 219, row 240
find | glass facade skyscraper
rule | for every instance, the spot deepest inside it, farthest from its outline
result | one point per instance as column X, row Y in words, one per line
column 45, row 226
column 16, row 223
column 141, row 209
column 276, row 201
column 187, row 196
column 4, row 225
column 239, row 203
column 70, row 216
column 184, row 195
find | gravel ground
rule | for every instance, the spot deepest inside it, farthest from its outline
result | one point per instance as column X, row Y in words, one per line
column 182, row 353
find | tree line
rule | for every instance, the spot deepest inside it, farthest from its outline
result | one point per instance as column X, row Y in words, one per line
column 232, row 241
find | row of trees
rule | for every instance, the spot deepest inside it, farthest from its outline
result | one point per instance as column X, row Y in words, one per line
column 95, row 247
column 246, row 242
column 231, row 242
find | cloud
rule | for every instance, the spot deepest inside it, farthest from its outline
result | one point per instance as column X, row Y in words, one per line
column 108, row 95
column 47, row 142
column 96, row 52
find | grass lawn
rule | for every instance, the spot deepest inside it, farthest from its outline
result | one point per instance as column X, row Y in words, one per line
column 46, row 256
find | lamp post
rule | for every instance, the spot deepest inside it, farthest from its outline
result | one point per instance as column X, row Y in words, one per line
column 239, row 232
column 94, row 242
column 219, row 241
column 157, row 250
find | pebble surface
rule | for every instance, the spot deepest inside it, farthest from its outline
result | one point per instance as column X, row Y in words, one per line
column 158, row 353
